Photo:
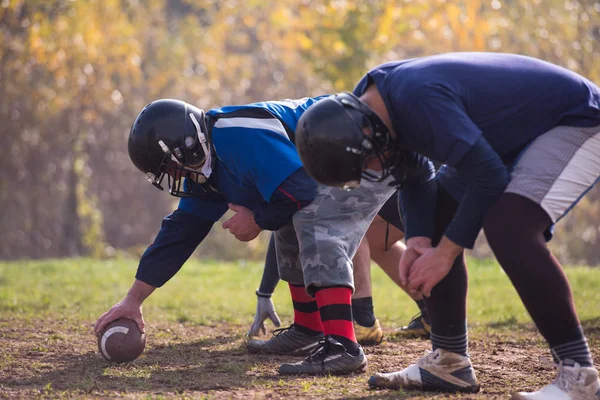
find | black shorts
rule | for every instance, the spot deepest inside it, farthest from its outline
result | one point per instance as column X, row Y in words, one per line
column 390, row 212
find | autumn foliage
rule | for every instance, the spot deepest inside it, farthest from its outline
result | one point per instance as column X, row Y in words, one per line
column 73, row 75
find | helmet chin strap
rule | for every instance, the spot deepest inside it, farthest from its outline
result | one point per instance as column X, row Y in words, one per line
column 206, row 168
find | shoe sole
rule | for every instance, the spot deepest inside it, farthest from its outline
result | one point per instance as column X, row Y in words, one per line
column 253, row 350
column 359, row 370
column 370, row 342
column 408, row 335
column 517, row 396
column 470, row 389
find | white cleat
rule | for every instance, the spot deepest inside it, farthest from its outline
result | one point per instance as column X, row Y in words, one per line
column 439, row 370
column 573, row 382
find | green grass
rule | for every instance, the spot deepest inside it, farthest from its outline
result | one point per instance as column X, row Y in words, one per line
column 207, row 292
column 196, row 325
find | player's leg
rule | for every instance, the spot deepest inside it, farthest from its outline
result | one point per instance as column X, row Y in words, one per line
column 382, row 244
column 384, row 237
column 366, row 326
column 329, row 231
column 556, row 170
column 362, row 271
column 448, row 368
column 304, row 334
column 386, row 247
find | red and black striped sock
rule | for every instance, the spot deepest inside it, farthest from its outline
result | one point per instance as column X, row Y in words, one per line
column 306, row 311
column 335, row 306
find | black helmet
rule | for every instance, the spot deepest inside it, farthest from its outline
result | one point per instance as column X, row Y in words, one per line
column 169, row 137
column 337, row 136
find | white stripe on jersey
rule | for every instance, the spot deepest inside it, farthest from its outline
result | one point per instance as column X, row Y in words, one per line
column 271, row 124
column 290, row 103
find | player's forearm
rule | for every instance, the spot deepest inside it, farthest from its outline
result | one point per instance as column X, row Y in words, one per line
column 180, row 234
column 139, row 291
column 487, row 179
column 418, row 241
column 270, row 276
column 296, row 192
column 448, row 249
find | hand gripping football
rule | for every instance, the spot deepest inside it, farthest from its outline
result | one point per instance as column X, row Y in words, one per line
column 121, row 341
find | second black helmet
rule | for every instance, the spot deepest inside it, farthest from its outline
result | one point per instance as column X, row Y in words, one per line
column 336, row 138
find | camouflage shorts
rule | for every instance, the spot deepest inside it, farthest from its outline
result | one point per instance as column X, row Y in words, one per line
column 317, row 248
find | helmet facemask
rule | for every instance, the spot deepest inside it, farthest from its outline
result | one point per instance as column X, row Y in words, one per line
column 186, row 164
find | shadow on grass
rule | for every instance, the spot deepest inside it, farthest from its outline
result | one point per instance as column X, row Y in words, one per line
column 401, row 395
column 591, row 326
column 208, row 364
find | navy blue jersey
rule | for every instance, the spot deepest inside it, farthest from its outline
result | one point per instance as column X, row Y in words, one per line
column 440, row 105
column 476, row 112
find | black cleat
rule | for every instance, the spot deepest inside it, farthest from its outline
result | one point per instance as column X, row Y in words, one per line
column 288, row 341
column 330, row 358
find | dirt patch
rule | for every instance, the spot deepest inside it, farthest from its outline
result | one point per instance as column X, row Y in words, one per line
column 58, row 359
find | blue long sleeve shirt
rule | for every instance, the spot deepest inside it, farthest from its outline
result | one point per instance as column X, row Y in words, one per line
column 474, row 112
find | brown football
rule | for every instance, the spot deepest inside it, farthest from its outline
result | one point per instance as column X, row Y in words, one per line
column 121, row 341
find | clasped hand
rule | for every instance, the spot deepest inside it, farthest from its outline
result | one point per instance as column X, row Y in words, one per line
column 421, row 268
column 242, row 224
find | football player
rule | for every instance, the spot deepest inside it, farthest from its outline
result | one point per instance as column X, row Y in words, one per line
column 382, row 244
column 520, row 140
column 244, row 158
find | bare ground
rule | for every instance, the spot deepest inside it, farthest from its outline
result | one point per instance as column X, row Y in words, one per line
column 55, row 359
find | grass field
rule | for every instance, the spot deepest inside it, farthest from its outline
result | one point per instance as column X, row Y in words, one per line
column 196, row 326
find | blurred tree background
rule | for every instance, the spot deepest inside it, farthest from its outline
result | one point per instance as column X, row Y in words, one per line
column 74, row 74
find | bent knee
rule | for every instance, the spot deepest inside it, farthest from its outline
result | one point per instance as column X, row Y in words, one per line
column 515, row 219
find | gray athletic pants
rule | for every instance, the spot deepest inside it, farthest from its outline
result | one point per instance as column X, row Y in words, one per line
column 317, row 248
